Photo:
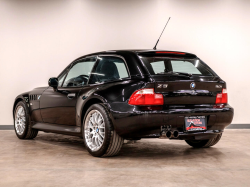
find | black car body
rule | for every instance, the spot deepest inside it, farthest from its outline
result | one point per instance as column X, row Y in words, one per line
column 177, row 95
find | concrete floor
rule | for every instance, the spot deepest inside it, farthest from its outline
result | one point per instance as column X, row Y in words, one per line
column 59, row 160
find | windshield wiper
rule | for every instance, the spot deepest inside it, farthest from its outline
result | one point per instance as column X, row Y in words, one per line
column 178, row 73
column 181, row 73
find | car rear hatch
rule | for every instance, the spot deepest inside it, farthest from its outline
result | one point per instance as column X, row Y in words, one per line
column 188, row 91
column 182, row 78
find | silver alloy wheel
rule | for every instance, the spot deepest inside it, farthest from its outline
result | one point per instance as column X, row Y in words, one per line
column 94, row 130
column 20, row 120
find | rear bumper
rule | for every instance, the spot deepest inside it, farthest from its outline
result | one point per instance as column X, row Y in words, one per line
column 132, row 122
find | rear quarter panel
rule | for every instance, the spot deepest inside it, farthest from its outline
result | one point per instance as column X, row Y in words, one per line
column 111, row 94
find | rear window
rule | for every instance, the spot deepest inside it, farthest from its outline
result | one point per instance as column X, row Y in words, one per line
column 161, row 65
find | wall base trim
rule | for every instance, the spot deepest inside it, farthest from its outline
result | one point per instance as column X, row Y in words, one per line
column 6, row 127
column 238, row 126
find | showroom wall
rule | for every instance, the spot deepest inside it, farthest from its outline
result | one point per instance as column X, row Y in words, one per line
column 39, row 38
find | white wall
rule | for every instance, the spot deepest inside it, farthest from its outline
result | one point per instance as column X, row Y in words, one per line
column 38, row 38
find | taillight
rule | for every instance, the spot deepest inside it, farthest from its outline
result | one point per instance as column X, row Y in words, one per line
column 146, row 96
column 221, row 98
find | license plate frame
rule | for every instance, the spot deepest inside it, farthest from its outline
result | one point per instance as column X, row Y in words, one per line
column 195, row 123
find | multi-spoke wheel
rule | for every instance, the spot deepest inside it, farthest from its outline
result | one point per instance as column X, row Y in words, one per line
column 22, row 122
column 94, row 130
column 99, row 136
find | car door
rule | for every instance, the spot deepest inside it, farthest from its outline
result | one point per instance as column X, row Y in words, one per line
column 58, row 106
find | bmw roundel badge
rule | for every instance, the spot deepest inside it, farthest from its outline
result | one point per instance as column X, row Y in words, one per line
column 192, row 85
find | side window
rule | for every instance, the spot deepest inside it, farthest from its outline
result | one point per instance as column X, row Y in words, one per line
column 79, row 74
column 108, row 68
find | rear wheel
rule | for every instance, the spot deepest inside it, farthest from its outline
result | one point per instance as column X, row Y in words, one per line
column 99, row 136
column 204, row 143
column 22, row 122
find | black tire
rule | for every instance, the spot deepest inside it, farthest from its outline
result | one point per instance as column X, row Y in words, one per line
column 204, row 143
column 112, row 142
column 28, row 132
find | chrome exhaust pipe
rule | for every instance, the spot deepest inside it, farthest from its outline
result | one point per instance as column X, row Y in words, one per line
column 163, row 134
column 169, row 134
column 176, row 134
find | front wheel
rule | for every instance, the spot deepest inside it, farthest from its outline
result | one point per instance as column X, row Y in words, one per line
column 22, row 123
column 99, row 136
column 204, row 143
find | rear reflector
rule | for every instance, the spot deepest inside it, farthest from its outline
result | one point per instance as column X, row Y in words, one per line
column 146, row 96
column 221, row 98
column 169, row 52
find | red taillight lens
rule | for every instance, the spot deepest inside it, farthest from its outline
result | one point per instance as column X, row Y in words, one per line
column 221, row 98
column 146, row 96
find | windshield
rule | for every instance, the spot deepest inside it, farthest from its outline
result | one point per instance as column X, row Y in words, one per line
column 166, row 65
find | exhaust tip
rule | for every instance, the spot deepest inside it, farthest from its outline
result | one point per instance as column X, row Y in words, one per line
column 169, row 134
column 176, row 134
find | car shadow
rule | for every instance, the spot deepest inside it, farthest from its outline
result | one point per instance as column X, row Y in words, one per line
column 61, row 140
column 143, row 149
column 168, row 149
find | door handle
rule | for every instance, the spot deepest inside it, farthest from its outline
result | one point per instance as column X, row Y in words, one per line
column 71, row 95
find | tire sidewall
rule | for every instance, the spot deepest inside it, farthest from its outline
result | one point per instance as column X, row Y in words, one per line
column 108, row 130
column 204, row 143
column 21, row 103
column 197, row 143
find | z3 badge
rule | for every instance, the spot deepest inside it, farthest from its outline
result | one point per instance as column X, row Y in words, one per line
column 162, row 85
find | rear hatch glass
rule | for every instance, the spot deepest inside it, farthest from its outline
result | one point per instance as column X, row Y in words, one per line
column 166, row 65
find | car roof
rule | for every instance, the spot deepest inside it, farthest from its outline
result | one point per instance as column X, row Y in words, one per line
column 146, row 50
column 135, row 65
column 139, row 51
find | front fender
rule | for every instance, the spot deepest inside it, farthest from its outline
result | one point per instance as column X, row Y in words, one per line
column 21, row 97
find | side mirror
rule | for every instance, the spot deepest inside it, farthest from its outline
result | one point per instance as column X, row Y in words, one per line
column 53, row 82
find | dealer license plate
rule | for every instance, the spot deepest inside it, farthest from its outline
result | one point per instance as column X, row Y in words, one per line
column 195, row 123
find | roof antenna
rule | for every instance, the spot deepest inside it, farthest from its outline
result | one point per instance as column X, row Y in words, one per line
column 161, row 34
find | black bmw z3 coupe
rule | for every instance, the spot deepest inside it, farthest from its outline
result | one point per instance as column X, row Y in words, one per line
column 110, row 96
